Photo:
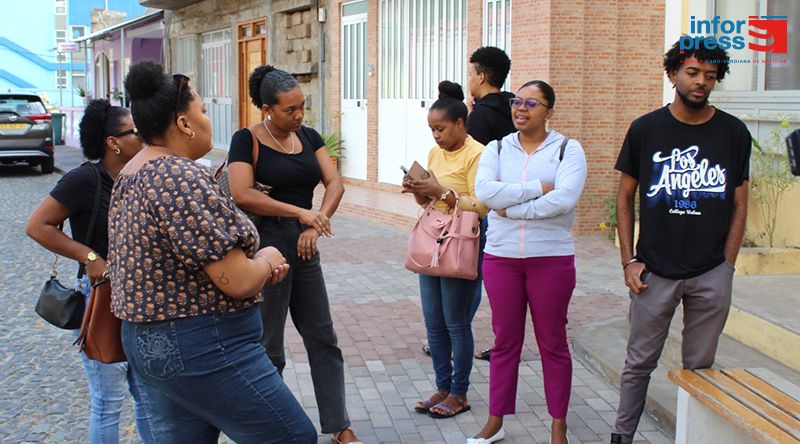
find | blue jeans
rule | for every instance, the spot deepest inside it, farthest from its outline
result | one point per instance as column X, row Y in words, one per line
column 447, row 307
column 476, row 303
column 107, row 384
column 209, row 373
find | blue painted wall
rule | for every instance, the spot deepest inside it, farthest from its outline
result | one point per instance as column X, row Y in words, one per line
column 27, row 37
column 80, row 10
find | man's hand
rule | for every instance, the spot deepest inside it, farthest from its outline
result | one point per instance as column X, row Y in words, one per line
column 633, row 277
column 501, row 212
column 547, row 187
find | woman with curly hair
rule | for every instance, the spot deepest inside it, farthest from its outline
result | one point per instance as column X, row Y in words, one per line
column 109, row 140
column 186, row 276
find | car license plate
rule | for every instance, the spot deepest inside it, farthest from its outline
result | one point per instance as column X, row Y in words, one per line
column 14, row 125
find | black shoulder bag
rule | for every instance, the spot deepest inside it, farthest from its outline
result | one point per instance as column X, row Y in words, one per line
column 59, row 305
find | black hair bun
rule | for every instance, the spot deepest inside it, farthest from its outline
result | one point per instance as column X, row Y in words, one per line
column 254, row 83
column 450, row 90
column 97, row 109
column 144, row 80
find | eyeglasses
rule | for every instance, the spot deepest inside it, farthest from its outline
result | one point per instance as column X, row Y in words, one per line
column 181, row 81
column 133, row 131
column 517, row 102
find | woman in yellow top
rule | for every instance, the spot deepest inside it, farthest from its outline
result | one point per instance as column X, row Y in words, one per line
column 447, row 303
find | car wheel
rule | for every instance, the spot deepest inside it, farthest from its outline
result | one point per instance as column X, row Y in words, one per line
column 48, row 165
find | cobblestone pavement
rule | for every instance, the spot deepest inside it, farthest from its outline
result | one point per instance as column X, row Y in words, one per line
column 375, row 304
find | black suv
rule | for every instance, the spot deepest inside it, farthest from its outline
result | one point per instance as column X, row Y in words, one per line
column 25, row 131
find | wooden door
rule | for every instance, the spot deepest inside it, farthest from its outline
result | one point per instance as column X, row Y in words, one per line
column 252, row 39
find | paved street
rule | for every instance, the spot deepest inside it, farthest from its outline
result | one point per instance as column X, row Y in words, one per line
column 375, row 304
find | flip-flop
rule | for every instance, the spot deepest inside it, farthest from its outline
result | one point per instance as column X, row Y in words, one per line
column 430, row 402
column 461, row 400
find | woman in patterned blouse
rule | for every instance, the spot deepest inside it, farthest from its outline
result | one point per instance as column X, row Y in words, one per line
column 186, row 274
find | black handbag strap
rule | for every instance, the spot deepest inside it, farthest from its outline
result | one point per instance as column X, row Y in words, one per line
column 95, row 212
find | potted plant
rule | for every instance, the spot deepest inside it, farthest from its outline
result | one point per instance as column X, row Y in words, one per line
column 83, row 94
column 335, row 147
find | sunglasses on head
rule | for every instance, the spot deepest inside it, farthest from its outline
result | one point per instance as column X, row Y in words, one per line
column 517, row 102
column 133, row 131
column 181, row 81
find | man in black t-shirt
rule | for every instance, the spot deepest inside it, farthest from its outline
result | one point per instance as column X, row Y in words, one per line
column 690, row 162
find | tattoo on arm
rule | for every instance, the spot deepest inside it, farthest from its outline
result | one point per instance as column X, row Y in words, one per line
column 223, row 280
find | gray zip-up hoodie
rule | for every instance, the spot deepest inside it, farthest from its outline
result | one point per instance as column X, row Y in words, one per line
column 535, row 225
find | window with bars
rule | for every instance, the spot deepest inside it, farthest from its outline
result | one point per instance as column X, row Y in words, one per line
column 215, row 59
column 184, row 54
column 422, row 43
column 354, row 38
column 759, row 76
column 497, row 27
column 61, row 79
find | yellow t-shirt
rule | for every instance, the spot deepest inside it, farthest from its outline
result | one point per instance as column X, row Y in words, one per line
column 456, row 170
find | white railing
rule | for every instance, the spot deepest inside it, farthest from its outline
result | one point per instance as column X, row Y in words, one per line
column 70, row 131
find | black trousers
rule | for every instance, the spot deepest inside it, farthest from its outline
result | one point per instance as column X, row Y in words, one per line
column 303, row 295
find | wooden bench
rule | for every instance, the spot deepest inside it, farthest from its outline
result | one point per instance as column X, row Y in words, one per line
column 732, row 407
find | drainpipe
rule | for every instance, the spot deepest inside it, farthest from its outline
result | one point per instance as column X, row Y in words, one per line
column 87, row 77
column 321, row 20
column 122, row 65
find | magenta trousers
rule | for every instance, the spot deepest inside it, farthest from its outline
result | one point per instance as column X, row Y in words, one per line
column 544, row 285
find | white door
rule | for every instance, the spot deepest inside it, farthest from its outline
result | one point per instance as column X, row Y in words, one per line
column 215, row 82
column 354, row 89
column 421, row 44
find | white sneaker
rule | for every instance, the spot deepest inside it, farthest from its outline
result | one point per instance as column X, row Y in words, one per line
column 499, row 436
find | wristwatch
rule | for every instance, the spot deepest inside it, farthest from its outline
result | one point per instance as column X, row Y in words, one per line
column 91, row 257
column 444, row 195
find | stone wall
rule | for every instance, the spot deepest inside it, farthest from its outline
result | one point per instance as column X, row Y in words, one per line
column 292, row 39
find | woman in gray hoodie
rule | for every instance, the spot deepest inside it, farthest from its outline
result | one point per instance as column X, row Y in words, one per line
column 531, row 181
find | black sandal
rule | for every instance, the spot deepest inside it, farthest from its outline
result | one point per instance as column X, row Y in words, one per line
column 485, row 355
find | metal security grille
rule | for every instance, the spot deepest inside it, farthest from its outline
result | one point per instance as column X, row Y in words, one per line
column 422, row 43
column 354, row 82
column 215, row 76
column 497, row 26
column 184, row 55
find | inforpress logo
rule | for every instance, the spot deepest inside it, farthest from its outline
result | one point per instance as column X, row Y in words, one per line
column 727, row 34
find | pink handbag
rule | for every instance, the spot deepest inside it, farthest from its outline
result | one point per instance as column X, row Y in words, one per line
column 445, row 245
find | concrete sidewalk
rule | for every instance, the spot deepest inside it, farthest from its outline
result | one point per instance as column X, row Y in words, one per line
column 376, row 310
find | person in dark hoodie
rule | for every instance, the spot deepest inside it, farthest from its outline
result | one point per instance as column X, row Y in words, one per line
column 490, row 118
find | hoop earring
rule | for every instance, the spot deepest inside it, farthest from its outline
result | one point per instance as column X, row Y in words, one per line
column 116, row 151
column 191, row 136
